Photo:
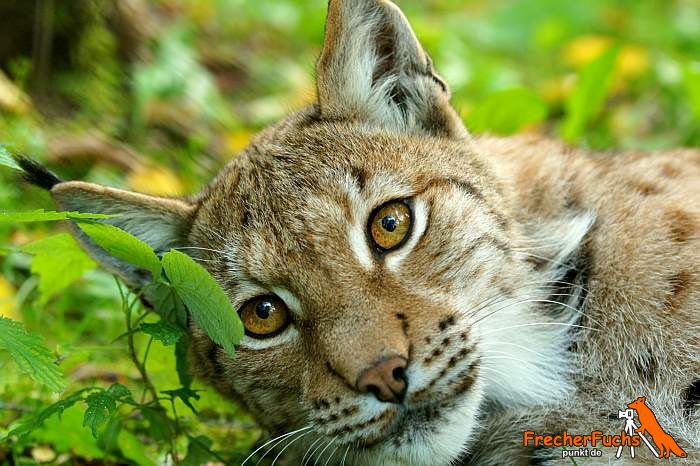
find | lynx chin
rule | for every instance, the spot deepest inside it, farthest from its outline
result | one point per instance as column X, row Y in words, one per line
column 414, row 295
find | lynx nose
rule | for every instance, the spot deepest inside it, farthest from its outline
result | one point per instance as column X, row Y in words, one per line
column 386, row 380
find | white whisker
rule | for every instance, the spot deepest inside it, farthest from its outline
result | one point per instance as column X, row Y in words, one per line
column 288, row 445
column 274, row 439
column 563, row 324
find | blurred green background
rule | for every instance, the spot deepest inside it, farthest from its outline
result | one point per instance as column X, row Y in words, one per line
column 157, row 95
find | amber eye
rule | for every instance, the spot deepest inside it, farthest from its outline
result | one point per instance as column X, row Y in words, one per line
column 390, row 225
column 264, row 316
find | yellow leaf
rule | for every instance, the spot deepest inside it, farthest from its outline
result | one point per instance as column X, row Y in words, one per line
column 557, row 90
column 7, row 299
column 584, row 49
column 237, row 141
column 158, row 181
column 633, row 61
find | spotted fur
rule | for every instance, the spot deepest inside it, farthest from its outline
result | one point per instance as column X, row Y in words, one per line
column 542, row 288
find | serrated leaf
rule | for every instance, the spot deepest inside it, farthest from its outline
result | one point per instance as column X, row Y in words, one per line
column 28, row 424
column 506, row 112
column 185, row 394
column 58, row 261
column 163, row 331
column 43, row 216
column 118, row 391
column 207, row 302
column 198, row 452
column 589, row 96
column 28, row 351
column 124, row 246
column 65, row 434
column 100, row 406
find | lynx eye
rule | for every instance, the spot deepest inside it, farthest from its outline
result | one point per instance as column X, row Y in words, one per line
column 264, row 316
column 390, row 225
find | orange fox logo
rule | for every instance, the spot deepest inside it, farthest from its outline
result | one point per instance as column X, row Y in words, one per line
column 648, row 423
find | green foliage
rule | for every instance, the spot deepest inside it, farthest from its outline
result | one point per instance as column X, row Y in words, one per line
column 43, row 216
column 209, row 305
column 190, row 95
column 507, row 112
column 124, row 246
column 588, row 98
column 59, row 261
column 28, row 351
column 101, row 405
column 163, row 331
column 692, row 84
column 198, row 452
column 29, row 423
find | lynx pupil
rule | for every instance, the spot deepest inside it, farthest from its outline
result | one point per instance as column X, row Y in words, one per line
column 389, row 223
column 264, row 309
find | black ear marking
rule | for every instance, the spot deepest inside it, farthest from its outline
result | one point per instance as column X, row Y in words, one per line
column 691, row 397
column 35, row 173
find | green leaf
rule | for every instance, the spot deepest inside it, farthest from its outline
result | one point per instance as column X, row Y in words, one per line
column 163, row 331
column 198, row 452
column 42, row 216
column 124, row 246
column 185, row 394
column 133, row 448
column 691, row 77
column 118, row 391
column 207, row 302
column 589, row 96
column 28, row 351
column 7, row 160
column 100, row 406
column 26, row 425
column 160, row 426
column 166, row 303
column 65, row 434
column 182, row 362
column 507, row 112
column 59, row 261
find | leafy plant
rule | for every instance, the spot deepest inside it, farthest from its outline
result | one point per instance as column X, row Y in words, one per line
column 30, row 354
column 506, row 112
column 588, row 98
column 185, row 285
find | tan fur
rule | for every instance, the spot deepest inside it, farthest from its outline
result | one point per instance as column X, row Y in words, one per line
column 496, row 343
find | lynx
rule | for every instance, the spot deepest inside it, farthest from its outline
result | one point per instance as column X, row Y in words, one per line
column 415, row 295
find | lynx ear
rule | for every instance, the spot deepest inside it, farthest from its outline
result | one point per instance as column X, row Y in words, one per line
column 161, row 222
column 373, row 69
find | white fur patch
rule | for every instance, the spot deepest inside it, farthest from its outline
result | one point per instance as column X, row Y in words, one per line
column 420, row 221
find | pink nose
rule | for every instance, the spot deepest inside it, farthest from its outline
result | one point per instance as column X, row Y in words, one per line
column 386, row 380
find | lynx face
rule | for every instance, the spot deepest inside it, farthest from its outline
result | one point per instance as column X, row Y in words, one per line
column 383, row 341
column 381, row 276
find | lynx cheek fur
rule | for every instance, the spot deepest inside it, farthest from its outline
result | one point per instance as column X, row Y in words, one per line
column 535, row 288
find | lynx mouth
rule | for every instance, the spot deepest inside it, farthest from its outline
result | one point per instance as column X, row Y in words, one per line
column 426, row 418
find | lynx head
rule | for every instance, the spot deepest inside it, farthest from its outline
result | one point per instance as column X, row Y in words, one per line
column 373, row 256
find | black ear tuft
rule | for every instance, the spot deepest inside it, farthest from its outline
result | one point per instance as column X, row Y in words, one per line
column 35, row 173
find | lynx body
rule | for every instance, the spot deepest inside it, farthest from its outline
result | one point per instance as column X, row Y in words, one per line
column 535, row 287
